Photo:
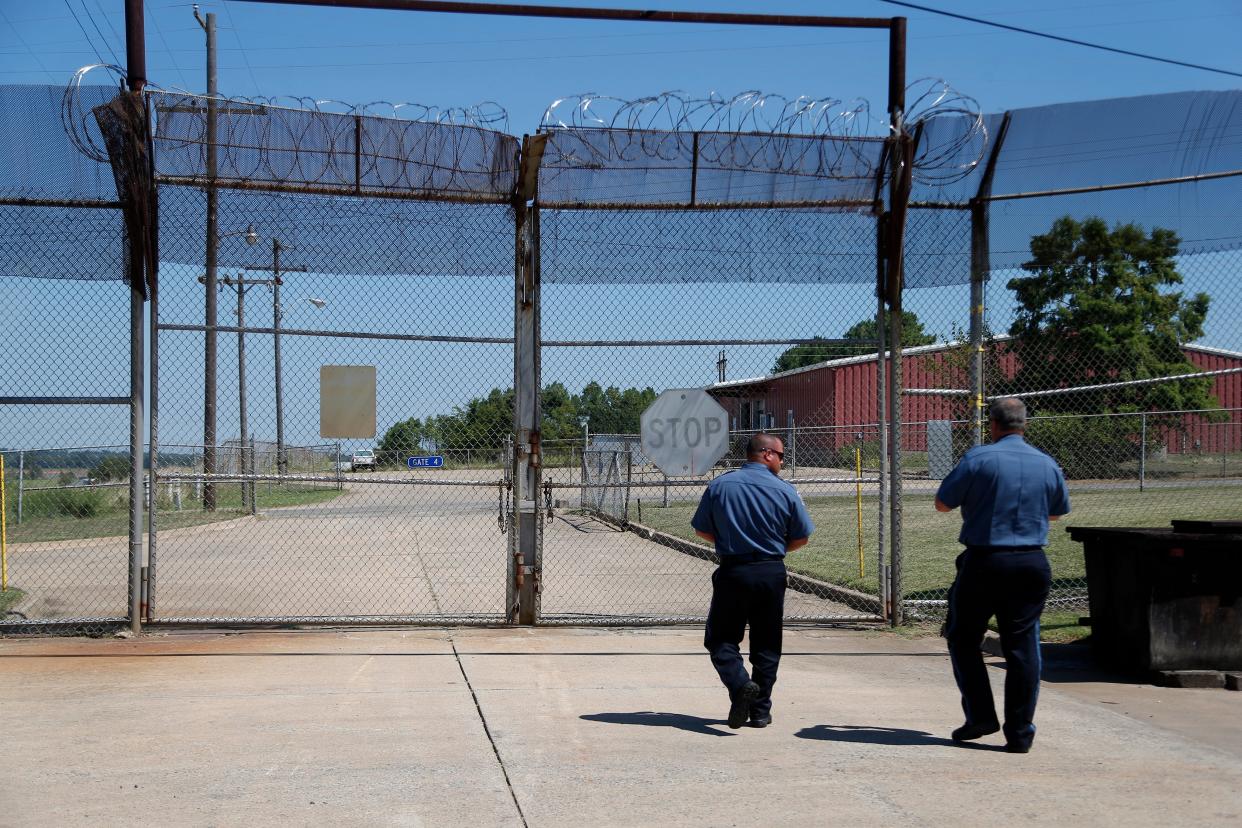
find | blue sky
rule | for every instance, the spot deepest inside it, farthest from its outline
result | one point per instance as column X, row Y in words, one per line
column 359, row 56
column 523, row 64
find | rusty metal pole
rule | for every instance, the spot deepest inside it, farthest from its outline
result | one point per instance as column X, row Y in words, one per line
column 526, row 551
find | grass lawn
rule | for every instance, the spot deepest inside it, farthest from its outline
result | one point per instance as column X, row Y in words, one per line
column 9, row 597
column 104, row 512
column 930, row 538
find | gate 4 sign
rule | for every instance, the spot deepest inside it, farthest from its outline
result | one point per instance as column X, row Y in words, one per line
column 685, row 432
column 434, row 461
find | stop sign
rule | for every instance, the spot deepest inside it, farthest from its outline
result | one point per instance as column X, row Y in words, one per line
column 685, row 432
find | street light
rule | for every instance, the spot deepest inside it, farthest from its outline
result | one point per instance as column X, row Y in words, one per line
column 209, row 352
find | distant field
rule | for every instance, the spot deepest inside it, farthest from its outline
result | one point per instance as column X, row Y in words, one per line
column 54, row 514
column 930, row 538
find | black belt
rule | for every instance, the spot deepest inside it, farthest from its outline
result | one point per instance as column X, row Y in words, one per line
column 749, row 557
column 990, row 549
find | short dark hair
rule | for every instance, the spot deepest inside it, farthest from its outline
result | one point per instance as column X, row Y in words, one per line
column 1009, row 414
column 759, row 441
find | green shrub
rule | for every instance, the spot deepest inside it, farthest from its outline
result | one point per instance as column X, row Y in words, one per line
column 1087, row 447
column 77, row 503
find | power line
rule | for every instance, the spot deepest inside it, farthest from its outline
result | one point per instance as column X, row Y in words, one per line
column 1069, row 40
column 245, row 58
column 116, row 60
column 115, row 34
column 82, row 29
column 21, row 40
column 171, row 56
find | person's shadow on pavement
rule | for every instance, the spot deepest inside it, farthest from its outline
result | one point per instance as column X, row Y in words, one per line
column 883, row 736
column 650, row 718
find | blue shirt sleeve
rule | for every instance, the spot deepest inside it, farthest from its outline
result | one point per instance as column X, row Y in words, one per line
column 1058, row 498
column 799, row 525
column 952, row 489
column 702, row 520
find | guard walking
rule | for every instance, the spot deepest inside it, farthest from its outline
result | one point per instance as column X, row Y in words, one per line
column 1008, row 492
column 753, row 517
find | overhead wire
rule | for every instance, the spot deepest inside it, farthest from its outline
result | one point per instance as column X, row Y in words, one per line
column 245, row 58
column 82, row 29
column 108, row 44
column 22, row 41
column 167, row 49
column 1062, row 39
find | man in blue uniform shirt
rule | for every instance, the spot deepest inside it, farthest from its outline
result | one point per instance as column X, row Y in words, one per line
column 753, row 517
column 1008, row 492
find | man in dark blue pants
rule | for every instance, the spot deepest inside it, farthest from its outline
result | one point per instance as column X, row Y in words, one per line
column 753, row 517
column 1008, row 492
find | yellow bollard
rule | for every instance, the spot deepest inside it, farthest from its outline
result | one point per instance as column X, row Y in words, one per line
column 4, row 532
column 858, row 502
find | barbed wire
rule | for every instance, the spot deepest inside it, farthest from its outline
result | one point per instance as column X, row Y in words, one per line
column 77, row 118
column 674, row 111
column 761, row 132
column 483, row 115
column 467, row 151
column 326, row 143
column 955, row 135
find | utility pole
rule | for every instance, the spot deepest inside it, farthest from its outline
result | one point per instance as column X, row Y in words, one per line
column 210, row 311
column 277, row 312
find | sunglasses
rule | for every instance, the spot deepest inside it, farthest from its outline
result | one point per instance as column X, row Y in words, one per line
column 780, row 455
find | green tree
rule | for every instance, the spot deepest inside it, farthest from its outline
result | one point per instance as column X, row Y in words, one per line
column 400, row 440
column 1096, row 308
column 820, row 350
column 483, row 422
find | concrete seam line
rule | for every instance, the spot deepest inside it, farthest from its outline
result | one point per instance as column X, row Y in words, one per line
column 487, row 731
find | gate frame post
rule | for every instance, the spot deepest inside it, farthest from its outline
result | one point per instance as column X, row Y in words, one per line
column 525, row 567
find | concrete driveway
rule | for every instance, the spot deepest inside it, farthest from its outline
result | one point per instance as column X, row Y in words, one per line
column 572, row 727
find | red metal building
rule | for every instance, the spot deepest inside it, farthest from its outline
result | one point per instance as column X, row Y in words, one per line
column 834, row 402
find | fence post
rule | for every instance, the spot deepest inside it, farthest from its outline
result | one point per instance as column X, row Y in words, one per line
column 137, row 376
column 881, row 396
column 254, row 488
column 1143, row 452
column 792, row 448
column 525, row 565
column 21, row 485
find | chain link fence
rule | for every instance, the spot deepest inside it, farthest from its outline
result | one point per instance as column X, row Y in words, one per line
column 619, row 264
column 65, row 383
column 298, row 529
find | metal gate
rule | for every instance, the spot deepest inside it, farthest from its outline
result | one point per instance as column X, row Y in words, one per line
column 335, row 261
column 625, row 303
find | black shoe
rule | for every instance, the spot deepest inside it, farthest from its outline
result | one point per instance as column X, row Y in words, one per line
column 739, row 710
column 969, row 732
column 760, row 720
column 1017, row 747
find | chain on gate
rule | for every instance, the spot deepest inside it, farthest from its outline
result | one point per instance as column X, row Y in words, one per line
column 504, row 489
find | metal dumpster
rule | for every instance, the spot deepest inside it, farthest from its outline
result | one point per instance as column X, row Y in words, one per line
column 1166, row 599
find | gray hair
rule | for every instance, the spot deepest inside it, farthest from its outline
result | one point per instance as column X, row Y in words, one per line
column 1009, row 414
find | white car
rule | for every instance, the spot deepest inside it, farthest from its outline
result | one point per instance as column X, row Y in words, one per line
column 363, row 459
